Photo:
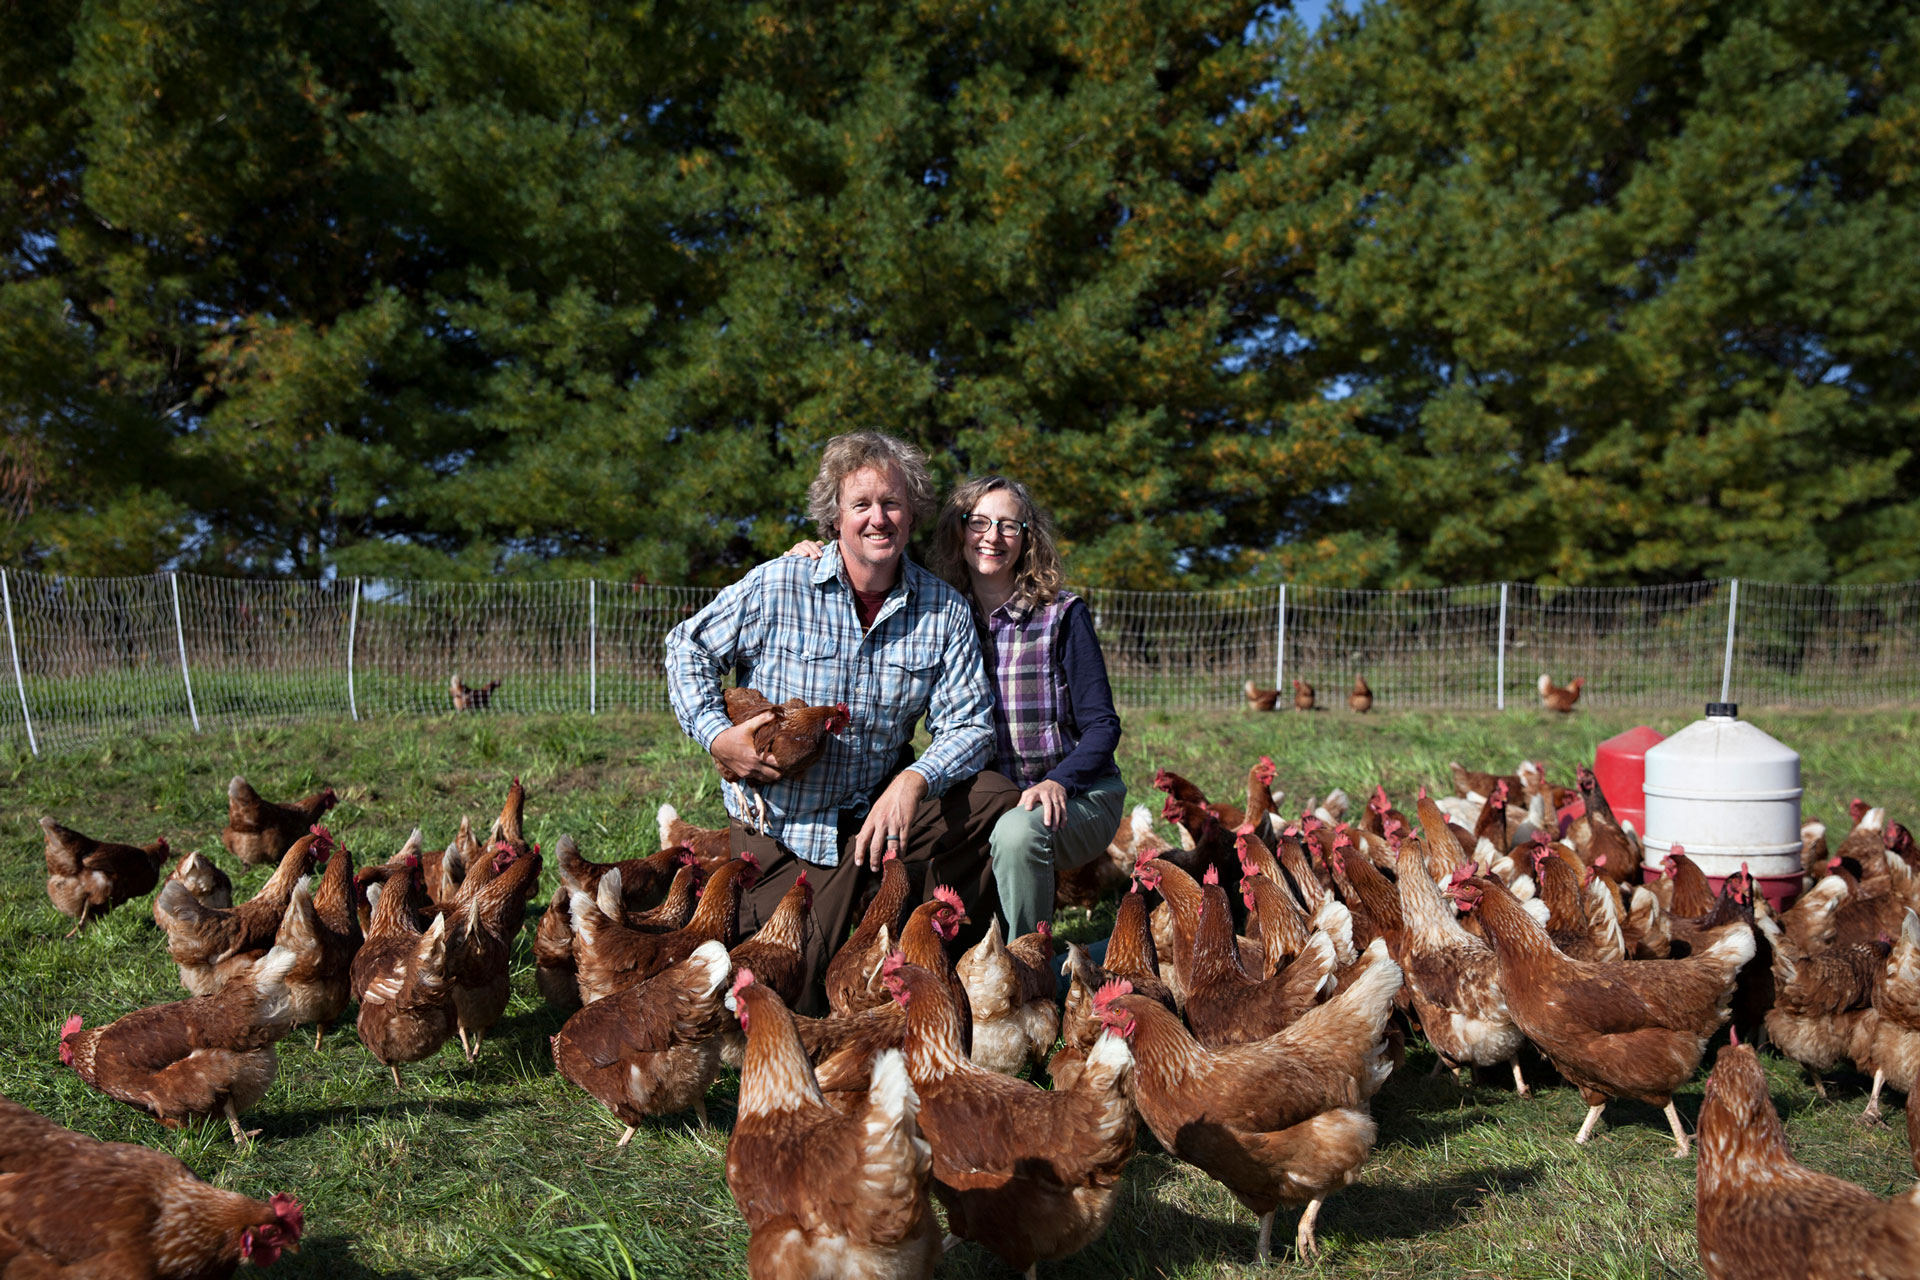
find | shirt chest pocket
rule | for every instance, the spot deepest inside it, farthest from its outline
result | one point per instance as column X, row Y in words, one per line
column 805, row 666
column 907, row 680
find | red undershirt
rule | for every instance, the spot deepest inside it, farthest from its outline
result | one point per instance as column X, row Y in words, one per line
column 867, row 605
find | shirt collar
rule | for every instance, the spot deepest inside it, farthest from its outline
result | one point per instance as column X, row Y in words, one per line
column 829, row 568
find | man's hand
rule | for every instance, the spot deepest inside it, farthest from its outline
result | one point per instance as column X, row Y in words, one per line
column 890, row 816
column 733, row 751
column 808, row 548
column 1052, row 799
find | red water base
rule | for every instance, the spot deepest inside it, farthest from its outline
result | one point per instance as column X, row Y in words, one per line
column 1780, row 890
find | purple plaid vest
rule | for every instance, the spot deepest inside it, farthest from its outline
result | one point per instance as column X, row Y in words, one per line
column 1033, row 726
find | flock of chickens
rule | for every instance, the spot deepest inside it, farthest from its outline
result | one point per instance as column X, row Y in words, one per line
column 1247, row 1030
column 1553, row 697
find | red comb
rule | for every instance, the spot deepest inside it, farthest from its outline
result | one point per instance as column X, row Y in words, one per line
column 1212, row 876
column 749, row 859
column 686, row 857
column 1460, row 873
column 950, row 896
column 1110, row 991
column 893, row 851
column 70, row 1026
column 801, row 880
column 1044, row 928
column 742, row 980
column 891, row 965
column 288, row 1210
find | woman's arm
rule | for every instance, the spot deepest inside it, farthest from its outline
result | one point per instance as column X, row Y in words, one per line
column 1099, row 724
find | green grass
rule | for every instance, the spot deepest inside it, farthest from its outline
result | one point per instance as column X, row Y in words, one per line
column 503, row 1169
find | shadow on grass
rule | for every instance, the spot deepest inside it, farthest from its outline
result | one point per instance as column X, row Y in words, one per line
column 299, row 1123
column 1407, row 1211
column 331, row 1257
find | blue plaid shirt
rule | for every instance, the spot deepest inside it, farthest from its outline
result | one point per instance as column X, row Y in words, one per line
column 789, row 629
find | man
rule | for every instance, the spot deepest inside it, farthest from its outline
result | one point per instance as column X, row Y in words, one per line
column 865, row 626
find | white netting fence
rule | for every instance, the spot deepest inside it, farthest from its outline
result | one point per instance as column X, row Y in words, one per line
column 88, row 657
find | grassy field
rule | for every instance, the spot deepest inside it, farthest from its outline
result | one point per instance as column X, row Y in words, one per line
column 503, row 1169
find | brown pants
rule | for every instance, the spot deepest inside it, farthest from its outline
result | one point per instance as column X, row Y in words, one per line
column 946, row 844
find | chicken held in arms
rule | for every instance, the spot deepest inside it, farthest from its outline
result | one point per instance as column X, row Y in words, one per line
column 795, row 738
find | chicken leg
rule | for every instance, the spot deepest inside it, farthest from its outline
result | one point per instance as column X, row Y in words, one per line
column 77, row 925
column 1520, row 1081
column 1586, row 1129
column 1872, row 1114
column 1679, row 1131
column 1263, row 1253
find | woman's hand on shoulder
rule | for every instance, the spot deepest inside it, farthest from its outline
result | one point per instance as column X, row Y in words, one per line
column 806, row 547
column 1051, row 798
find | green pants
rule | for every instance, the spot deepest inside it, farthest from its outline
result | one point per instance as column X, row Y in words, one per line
column 1025, row 852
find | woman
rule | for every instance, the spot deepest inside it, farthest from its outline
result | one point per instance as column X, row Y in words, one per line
column 1055, row 727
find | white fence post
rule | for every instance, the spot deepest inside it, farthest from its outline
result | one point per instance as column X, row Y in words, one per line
column 6, row 594
column 180, row 633
column 1500, row 664
column 1280, row 643
column 353, row 626
column 593, row 663
column 1726, row 667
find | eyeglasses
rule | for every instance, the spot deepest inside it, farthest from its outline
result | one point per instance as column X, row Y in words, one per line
column 1009, row 529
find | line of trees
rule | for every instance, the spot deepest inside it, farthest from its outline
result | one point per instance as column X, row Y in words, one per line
column 1613, row 291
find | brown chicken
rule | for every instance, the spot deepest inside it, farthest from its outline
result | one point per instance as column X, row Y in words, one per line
column 211, row 945
column 1682, row 887
column 652, row 1048
column 1761, row 1215
column 1454, row 976
column 1132, row 958
column 324, row 933
column 1576, row 927
column 842, row 1046
column 850, row 974
column 1032, row 1174
column 400, row 976
column 1822, row 1013
column 794, row 739
column 611, row 957
column 209, row 885
column 485, row 921
column 1259, row 699
column 1091, row 883
column 1010, row 996
column 1607, row 850
column 1472, row 782
column 642, row 880
column 1895, row 1051
column 191, row 1059
column 1279, row 1121
column 554, row 973
column 259, row 831
column 1225, row 1006
column 1632, row 1028
column 508, row 828
column 88, row 877
column 790, row 1155
column 710, row 846
column 1361, row 697
column 1302, row 696
column 467, row 697
column 777, row 956
column 73, row 1206
column 1555, row 698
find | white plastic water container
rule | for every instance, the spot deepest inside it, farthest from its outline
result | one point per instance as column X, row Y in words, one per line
column 1728, row 793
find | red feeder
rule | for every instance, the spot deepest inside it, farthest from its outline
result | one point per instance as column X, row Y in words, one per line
column 1620, row 764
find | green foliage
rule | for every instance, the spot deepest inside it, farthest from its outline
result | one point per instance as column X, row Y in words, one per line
column 447, row 289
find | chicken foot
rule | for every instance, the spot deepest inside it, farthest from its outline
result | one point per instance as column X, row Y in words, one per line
column 241, row 1137
column 395, row 1068
column 626, row 1137
column 319, row 1030
column 80, row 922
column 753, row 807
column 1304, row 1245
column 1520, row 1081
column 1872, row 1114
